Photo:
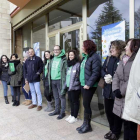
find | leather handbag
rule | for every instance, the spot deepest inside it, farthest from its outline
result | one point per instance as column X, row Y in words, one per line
column 102, row 81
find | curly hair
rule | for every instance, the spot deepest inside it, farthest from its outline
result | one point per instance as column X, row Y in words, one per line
column 76, row 55
column 119, row 45
column 89, row 46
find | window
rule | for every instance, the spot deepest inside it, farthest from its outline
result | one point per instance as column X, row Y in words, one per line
column 65, row 15
column 39, row 34
column 102, row 13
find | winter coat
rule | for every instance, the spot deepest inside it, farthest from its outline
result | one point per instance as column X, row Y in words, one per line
column 120, row 82
column 33, row 69
column 74, row 78
column 109, row 68
column 17, row 77
column 47, row 79
column 132, row 98
column 4, row 74
column 63, row 69
column 92, row 69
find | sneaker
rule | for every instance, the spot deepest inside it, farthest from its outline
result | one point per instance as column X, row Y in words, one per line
column 72, row 120
column 39, row 108
column 32, row 106
column 68, row 118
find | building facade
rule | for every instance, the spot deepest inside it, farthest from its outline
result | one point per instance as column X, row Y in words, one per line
column 69, row 23
column 5, row 31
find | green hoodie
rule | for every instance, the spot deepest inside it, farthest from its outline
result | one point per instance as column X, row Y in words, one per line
column 55, row 68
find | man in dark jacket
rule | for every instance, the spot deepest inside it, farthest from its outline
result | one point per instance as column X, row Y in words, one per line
column 33, row 69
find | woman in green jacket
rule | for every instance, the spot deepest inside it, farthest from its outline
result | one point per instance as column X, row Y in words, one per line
column 15, row 72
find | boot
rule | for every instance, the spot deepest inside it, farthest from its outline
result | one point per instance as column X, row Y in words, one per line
column 61, row 116
column 28, row 102
column 114, row 137
column 12, row 98
column 87, row 127
column 50, row 107
column 24, row 103
column 15, row 102
column 84, row 123
column 6, row 100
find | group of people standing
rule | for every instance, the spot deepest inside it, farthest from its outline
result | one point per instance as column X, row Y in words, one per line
column 61, row 75
column 116, row 71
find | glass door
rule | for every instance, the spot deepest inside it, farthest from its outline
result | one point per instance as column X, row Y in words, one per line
column 70, row 40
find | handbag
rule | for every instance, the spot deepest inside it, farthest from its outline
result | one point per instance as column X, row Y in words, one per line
column 102, row 81
column 8, row 81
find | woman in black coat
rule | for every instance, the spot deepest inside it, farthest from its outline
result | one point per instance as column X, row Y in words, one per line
column 16, row 73
column 108, row 70
column 4, row 77
column 90, row 70
column 47, row 81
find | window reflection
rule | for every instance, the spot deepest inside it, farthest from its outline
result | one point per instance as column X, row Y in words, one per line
column 102, row 13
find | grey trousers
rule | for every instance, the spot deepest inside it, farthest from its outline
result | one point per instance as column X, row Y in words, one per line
column 58, row 98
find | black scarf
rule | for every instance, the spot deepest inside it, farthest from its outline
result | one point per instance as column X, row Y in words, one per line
column 16, row 62
column 71, row 62
column 5, row 65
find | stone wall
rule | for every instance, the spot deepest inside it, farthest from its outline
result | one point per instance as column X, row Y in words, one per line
column 4, row 31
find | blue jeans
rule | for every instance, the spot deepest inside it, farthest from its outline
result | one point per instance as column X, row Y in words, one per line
column 35, row 89
column 5, row 88
column 27, row 95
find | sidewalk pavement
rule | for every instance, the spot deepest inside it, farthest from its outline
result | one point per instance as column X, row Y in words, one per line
column 20, row 123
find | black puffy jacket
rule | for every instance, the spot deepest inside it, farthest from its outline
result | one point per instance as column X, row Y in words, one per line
column 4, row 74
column 92, row 69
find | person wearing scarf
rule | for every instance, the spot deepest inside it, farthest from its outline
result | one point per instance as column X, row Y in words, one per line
column 119, row 87
column 15, row 71
column 47, row 81
column 72, row 84
column 4, row 77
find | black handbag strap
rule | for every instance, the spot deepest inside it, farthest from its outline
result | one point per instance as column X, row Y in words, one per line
column 107, row 62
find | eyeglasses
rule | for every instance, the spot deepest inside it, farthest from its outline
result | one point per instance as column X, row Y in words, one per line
column 56, row 50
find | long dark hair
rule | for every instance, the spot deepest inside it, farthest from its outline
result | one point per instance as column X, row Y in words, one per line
column 45, row 59
column 1, row 61
column 16, row 56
